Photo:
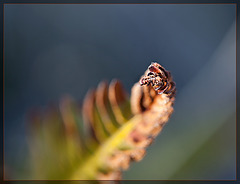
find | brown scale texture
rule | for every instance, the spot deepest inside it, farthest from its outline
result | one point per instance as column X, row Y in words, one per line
column 155, row 110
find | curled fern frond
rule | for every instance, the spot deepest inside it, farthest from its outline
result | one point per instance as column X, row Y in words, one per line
column 100, row 139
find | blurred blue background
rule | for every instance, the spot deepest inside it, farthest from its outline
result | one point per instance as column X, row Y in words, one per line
column 52, row 50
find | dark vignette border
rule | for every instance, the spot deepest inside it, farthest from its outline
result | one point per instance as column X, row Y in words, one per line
column 236, row 2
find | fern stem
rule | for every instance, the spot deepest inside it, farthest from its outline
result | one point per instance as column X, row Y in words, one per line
column 89, row 169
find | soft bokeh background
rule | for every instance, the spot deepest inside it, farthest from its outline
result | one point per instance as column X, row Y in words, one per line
column 52, row 50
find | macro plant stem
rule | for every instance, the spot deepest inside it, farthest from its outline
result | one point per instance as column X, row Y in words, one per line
column 89, row 169
column 99, row 140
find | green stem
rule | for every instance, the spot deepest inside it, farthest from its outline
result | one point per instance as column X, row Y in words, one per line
column 89, row 169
